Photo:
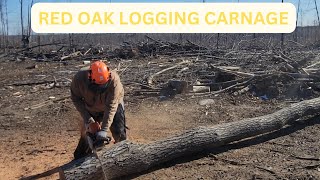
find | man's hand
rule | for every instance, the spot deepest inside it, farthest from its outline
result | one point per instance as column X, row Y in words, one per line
column 102, row 136
column 92, row 126
column 101, row 139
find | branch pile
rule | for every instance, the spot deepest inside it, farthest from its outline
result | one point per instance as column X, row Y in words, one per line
column 149, row 47
column 265, row 74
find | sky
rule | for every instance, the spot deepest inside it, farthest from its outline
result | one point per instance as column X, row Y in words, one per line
column 307, row 9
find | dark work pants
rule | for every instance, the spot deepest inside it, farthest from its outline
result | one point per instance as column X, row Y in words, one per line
column 117, row 128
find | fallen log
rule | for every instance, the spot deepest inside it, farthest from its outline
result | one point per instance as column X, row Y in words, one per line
column 222, row 85
column 70, row 56
column 127, row 158
column 40, row 45
column 30, row 83
column 197, row 89
column 239, row 73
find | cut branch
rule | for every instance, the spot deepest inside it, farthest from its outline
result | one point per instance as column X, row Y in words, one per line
column 72, row 55
column 150, row 78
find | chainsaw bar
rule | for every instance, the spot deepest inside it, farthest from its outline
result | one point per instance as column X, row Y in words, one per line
column 95, row 145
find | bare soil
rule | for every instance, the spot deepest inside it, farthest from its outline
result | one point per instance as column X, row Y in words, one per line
column 37, row 137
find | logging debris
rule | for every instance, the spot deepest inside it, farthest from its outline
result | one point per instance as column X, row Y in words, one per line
column 204, row 71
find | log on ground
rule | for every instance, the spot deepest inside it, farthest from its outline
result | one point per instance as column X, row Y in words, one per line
column 127, row 158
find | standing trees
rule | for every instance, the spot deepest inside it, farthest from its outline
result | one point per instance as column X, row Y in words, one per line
column 25, row 33
column 4, row 24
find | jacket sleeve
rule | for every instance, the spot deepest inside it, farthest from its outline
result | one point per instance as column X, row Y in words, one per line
column 78, row 100
column 112, row 101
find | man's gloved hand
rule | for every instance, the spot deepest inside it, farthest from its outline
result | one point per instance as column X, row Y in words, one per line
column 102, row 136
column 101, row 139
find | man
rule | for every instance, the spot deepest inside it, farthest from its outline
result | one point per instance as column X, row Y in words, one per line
column 97, row 94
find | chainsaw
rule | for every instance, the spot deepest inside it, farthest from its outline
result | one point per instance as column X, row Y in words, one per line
column 95, row 144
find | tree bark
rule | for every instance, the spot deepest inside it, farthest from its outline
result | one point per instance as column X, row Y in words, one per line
column 127, row 158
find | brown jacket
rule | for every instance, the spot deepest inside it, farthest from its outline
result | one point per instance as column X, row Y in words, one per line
column 88, row 102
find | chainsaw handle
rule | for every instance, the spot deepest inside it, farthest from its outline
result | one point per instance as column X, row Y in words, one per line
column 108, row 139
column 102, row 142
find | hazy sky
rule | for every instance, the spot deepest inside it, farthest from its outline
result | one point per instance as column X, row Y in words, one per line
column 307, row 9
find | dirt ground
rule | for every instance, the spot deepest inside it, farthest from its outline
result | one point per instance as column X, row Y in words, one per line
column 39, row 131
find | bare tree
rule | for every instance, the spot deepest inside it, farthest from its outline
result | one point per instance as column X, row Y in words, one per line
column 4, row 24
column 25, row 33
column 29, row 19
column 282, row 36
column 24, row 38
column 21, row 17
column 315, row 3
column 7, row 21
column 296, row 31
column 71, row 36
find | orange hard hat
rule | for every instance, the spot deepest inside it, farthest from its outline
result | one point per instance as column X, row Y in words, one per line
column 99, row 73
